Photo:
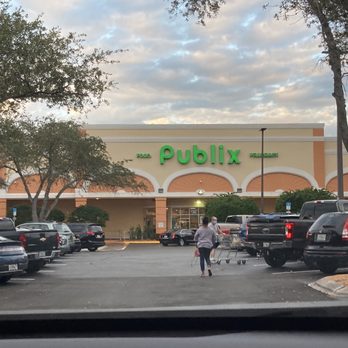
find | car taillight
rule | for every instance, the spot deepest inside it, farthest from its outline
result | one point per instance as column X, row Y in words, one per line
column 225, row 231
column 57, row 240
column 172, row 235
column 289, row 230
column 23, row 239
column 90, row 233
column 246, row 232
column 345, row 231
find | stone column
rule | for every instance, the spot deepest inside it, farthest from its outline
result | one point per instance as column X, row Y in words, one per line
column 80, row 201
column 161, row 215
column 3, row 207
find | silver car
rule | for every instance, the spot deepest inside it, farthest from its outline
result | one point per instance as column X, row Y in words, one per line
column 67, row 238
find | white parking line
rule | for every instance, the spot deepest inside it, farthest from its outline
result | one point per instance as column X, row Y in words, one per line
column 23, row 279
column 259, row 265
column 58, row 264
column 46, row 271
column 292, row 272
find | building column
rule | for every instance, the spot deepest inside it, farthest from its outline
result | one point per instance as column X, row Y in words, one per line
column 319, row 157
column 80, row 201
column 3, row 207
column 161, row 215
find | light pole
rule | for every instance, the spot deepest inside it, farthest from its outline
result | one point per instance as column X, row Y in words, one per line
column 262, row 130
column 340, row 189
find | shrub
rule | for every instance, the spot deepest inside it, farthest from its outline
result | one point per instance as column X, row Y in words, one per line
column 229, row 204
column 88, row 213
column 298, row 197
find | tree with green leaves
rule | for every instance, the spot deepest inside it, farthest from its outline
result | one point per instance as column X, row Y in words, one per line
column 24, row 214
column 298, row 197
column 58, row 154
column 40, row 64
column 88, row 213
column 330, row 17
column 230, row 204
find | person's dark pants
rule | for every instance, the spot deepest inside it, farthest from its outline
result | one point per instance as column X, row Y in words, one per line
column 204, row 255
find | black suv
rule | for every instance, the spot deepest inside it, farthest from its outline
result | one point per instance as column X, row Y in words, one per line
column 327, row 242
column 91, row 235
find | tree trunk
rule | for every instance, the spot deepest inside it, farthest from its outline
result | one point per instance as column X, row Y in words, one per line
column 34, row 215
column 335, row 62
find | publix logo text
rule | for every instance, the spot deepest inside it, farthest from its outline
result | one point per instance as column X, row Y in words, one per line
column 215, row 154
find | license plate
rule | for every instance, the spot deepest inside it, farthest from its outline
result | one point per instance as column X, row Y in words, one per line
column 98, row 236
column 165, row 237
column 321, row 237
column 265, row 244
column 13, row 267
column 42, row 253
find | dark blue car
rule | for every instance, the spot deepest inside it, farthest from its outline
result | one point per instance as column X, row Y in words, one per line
column 13, row 259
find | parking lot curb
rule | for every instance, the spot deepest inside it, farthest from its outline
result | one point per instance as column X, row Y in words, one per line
column 335, row 286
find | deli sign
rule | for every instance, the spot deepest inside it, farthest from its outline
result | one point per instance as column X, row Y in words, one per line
column 215, row 154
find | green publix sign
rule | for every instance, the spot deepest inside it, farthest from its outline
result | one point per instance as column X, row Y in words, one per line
column 216, row 154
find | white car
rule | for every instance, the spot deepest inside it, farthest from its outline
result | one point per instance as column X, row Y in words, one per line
column 67, row 238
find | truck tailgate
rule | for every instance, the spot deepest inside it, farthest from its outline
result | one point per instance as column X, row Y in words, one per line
column 265, row 229
column 35, row 240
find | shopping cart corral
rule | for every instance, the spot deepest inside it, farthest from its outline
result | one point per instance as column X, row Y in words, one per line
column 230, row 245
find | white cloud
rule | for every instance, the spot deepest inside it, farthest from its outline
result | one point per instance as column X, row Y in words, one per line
column 243, row 66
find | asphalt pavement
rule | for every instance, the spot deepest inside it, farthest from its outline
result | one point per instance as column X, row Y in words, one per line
column 138, row 276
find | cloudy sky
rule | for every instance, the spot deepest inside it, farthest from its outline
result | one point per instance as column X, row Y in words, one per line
column 242, row 67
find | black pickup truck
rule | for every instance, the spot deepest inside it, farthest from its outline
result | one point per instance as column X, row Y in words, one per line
column 280, row 238
column 40, row 246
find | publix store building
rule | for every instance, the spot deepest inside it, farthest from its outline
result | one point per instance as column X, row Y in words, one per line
column 183, row 165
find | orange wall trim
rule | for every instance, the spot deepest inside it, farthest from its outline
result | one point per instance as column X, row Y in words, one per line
column 319, row 157
column 278, row 181
column 193, row 182
column 332, row 184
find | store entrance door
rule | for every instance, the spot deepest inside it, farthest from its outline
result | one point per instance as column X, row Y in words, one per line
column 187, row 217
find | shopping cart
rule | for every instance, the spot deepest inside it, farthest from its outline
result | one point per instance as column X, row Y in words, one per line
column 230, row 244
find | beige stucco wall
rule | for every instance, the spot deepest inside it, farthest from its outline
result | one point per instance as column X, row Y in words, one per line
column 293, row 153
column 294, row 143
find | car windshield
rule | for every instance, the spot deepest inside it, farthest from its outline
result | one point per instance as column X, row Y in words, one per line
column 77, row 228
column 172, row 154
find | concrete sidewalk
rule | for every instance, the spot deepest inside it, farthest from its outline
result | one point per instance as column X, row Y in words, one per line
column 335, row 286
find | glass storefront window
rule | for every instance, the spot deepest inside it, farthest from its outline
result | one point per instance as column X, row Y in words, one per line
column 186, row 217
column 194, row 211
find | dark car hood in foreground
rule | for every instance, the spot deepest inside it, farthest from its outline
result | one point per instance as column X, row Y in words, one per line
column 283, row 309
column 302, row 316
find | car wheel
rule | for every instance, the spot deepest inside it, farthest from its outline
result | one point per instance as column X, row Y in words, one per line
column 92, row 248
column 275, row 259
column 33, row 267
column 251, row 251
column 78, row 250
column 308, row 262
column 4, row 279
column 328, row 267
column 181, row 242
column 164, row 244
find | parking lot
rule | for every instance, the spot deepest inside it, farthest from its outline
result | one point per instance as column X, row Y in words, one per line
column 120, row 276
